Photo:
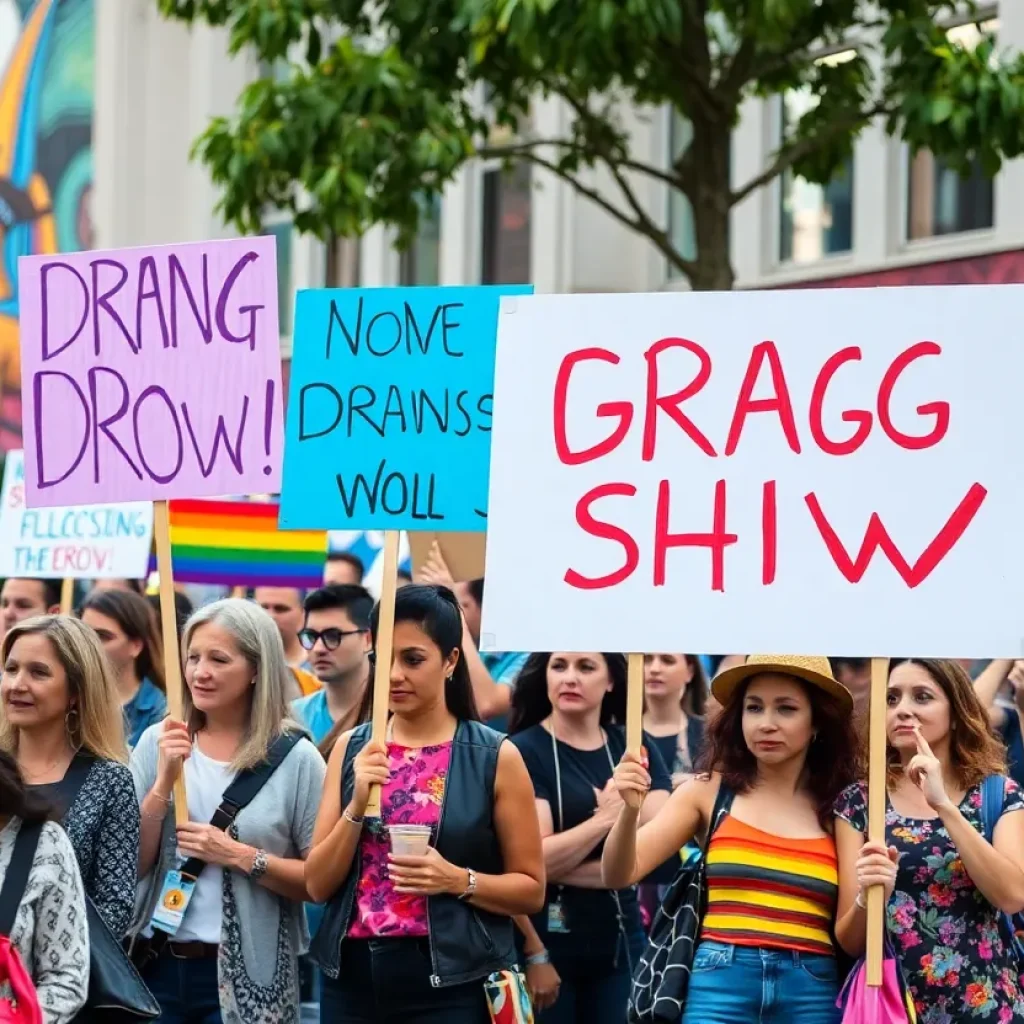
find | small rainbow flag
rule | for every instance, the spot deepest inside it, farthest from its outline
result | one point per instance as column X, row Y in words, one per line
column 238, row 544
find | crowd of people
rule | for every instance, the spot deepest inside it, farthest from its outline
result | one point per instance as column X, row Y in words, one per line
column 550, row 854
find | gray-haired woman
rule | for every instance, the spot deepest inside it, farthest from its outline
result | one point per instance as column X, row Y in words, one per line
column 234, row 958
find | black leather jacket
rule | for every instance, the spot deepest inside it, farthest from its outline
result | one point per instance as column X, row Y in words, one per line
column 466, row 943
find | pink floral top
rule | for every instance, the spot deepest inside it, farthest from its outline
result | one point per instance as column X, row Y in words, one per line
column 412, row 796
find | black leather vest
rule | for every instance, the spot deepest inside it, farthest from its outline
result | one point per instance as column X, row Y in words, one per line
column 466, row 943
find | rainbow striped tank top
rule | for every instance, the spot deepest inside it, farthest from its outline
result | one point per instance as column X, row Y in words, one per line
column 771, row 892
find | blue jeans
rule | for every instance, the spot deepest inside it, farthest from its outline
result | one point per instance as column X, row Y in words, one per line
column 589, row 996
column 185, row 989
column 746, row 985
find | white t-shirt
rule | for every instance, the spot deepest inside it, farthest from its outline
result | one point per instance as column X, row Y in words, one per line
column 205, row 783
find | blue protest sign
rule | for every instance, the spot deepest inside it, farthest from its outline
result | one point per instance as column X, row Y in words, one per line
column 389, row 412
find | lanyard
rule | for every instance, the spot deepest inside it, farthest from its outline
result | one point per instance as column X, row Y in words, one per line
column 558, row 771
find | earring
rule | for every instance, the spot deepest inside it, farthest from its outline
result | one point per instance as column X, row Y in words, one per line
column 72, row 726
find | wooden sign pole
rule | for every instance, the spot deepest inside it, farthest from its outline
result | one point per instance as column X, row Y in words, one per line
column 635, row 712
column 876, row 813
column 67, row 596
column 169, row 625
column 384, row 646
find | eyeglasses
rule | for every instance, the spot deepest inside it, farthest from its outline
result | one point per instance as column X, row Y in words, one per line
column 331, row 638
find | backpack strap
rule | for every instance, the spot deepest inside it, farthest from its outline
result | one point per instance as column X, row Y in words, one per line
column 993, row 792
column 16, row 878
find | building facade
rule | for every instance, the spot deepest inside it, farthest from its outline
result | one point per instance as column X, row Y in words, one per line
column 887, row 219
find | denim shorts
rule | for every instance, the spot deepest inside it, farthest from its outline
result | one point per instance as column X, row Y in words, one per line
column 752, row 985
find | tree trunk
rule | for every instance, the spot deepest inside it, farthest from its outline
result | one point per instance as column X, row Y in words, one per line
column 711, row 145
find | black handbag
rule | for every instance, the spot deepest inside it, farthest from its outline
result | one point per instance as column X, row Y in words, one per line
column 117, row 994
column 662, row 979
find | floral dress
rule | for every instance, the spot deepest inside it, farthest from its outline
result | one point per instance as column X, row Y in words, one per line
column 948, row 937
column 413, row 795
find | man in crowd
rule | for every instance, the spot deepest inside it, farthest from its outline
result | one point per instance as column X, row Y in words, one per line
column 855, row 675
column 23, row 598
column 343, row 567
column 336, row 633
column 284, row 606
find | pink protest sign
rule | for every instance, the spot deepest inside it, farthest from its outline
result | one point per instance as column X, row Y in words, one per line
column 151, row 373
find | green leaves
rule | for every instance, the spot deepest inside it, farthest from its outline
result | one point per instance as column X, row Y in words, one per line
column 377, row 105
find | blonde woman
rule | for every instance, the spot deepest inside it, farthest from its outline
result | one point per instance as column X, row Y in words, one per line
column 235, row 956
column 62, row 722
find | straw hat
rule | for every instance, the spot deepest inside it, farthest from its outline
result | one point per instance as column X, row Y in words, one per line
column 815, row 671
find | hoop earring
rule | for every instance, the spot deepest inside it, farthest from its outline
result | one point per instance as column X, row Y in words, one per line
column 73, row 726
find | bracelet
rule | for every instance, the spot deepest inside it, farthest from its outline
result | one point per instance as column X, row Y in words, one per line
column 152, row 817
column 356, row 819
column 160, row 796
column 543, row 957
column 260, row 863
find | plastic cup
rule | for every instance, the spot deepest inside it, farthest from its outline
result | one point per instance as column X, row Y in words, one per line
column 410, row 840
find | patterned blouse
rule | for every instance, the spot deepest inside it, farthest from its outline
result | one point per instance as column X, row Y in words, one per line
column 103, row 826
column 412, row 796
column 948, row 937
column 50, row 930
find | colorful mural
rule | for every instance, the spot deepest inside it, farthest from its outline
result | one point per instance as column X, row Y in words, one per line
column 46, row 102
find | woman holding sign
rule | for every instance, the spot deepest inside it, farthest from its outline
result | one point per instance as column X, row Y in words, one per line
column 225, row 947
column 949, row 875
column 421, row 899
column 779, row 753
column 566, row 715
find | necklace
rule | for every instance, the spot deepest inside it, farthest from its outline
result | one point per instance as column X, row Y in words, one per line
column 45, row 771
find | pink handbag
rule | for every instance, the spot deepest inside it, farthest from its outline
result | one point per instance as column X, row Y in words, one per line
column 890, row 1003
column 23, row 1008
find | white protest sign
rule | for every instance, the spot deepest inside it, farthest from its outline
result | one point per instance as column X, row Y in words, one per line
column 821, row 471
column 82, row 542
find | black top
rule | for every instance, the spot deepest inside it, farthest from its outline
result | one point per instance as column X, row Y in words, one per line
column 668, row 747
column 590, row 914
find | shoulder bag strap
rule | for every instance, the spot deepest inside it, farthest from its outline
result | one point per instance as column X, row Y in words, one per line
column 18, row 870
column 243, row 790
column 239, row 794
column 723, row 804
column 993, row 790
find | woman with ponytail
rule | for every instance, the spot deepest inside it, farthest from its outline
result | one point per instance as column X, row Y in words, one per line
column 412, row 939
column 49, row 929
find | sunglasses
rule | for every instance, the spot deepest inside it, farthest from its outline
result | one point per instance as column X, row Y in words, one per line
column 330, row 638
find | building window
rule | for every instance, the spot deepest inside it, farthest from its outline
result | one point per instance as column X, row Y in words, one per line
column 814, row 220
column 284, row 234
column 681, row 229
column 421, row 262
column 939, row 200
column 505, row 241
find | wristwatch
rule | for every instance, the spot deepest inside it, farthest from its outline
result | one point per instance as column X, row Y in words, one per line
column 259, row 866
column 471, row 887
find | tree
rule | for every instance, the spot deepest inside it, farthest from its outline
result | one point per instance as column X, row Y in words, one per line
column 384, row 106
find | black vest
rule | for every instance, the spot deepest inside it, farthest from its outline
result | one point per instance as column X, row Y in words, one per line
column 466, row 943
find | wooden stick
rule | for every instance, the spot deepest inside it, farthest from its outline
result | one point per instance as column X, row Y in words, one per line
column 67, row 596
column 169, row 624
column 876, row 813
column 635, row 712
column 382, row 666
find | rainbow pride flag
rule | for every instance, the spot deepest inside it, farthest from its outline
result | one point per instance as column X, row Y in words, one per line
column 238, row 544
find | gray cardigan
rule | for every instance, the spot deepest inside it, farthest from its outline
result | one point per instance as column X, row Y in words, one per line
column 262, row 934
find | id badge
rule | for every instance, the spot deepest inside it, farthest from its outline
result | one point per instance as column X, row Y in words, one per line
column 557, row 924
column 174, row 899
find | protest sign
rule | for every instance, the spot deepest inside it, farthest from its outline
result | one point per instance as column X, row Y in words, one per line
column 390, row 401
column 83, row 542
column 800, row 471
column 151, row 373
